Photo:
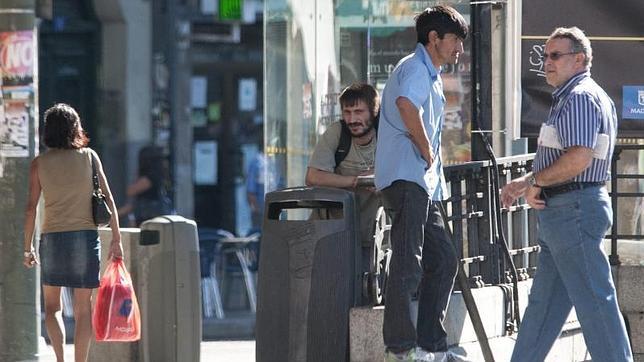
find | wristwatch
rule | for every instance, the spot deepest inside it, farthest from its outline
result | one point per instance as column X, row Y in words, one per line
column 28, row 254
column 532, row 181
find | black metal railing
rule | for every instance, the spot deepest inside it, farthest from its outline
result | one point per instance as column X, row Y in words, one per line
column 497, row 247
column 477, row 235
column 615, row 195
column 471, row 210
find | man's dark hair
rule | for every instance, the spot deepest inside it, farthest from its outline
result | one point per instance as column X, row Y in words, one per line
column 361, row 92
column 441, row 18
column 63, row 128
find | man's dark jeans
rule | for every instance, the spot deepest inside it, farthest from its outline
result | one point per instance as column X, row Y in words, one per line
column 423, row 260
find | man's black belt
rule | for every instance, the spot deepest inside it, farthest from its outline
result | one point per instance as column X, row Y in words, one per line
column 551, row 191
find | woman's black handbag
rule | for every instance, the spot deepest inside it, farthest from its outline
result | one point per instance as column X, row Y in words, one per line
column 100, row 211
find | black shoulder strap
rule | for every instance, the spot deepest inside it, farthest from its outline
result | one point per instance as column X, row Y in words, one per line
column 97, row 187
column 344, row 145
column 376, row 122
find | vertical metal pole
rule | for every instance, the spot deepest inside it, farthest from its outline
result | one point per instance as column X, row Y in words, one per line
column 481, row 78
column 614, row 257
column 19, row 292
column 482, row 119
column 179, row 64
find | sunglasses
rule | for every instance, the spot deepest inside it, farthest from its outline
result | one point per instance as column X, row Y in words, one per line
column 555, row 55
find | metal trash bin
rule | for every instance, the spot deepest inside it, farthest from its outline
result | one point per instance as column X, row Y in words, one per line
column 168, row 290
column 309, row 276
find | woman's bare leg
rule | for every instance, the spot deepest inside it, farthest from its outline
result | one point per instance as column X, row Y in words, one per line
column 83, row 323
column 54, row 320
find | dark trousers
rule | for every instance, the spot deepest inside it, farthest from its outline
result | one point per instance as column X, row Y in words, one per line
column 423, row 261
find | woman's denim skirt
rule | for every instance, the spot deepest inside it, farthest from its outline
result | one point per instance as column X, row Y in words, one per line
column 70, row 259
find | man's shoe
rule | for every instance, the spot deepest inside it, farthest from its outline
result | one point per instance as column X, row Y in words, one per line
column 453, row 357
column 422, row 355
column 406, row 356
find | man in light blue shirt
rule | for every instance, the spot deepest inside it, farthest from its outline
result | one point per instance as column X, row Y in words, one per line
column 409, row 174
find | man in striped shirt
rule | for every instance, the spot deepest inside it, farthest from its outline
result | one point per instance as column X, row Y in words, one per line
column 566, row 186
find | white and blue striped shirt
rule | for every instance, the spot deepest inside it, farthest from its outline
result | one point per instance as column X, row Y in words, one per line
column 581, row 110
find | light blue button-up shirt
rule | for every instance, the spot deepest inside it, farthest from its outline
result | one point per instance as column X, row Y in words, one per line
column 397, row 158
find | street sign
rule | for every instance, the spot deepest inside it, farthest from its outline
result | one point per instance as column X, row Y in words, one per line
column 230, row 9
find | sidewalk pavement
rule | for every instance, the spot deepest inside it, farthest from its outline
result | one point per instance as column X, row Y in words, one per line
column 211, row 351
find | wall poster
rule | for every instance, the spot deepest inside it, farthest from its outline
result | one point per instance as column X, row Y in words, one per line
column 17, row 58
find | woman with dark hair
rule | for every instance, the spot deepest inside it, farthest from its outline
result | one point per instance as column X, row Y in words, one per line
column 147, row 194
column 69, row 246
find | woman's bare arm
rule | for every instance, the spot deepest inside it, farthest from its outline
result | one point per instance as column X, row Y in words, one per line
column 30, row 213
column 116, row 249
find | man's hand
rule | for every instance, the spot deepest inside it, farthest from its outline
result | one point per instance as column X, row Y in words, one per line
column 369, row 172
column 429, row 158
column 365, row 181
column 513, row 190
column 532, row 196
column 520, row 187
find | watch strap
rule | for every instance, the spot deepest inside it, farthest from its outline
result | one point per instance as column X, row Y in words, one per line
column 532, row 181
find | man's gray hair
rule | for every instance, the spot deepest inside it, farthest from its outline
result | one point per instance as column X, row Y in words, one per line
column 580, row 43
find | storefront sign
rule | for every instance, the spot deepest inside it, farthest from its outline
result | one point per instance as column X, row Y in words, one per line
column 633, row 101
column 230, row 9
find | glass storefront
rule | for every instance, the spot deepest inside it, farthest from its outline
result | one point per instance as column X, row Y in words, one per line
column 315, row 48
